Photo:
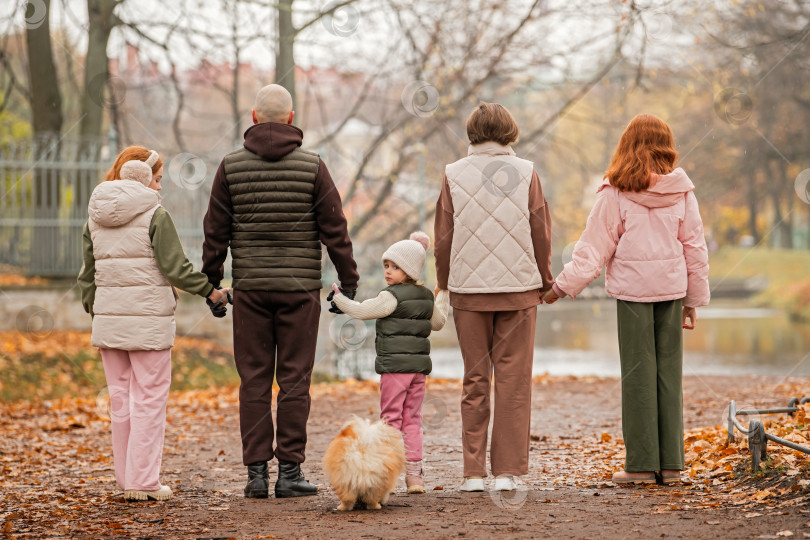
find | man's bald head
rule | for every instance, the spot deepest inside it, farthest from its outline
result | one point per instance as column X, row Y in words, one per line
column 273, row 104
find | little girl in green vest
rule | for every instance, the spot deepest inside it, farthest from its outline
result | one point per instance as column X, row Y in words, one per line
column 406, row 313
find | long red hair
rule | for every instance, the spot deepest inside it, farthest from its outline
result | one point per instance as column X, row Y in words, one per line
column 128, row 154
column 646, row 147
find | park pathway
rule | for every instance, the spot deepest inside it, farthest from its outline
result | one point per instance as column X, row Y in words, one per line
column 65, row 487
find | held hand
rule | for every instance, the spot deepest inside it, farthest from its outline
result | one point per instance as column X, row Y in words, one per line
column 691, row 314
column 348, row 293
column 219, row 296
column 217, row 300
column 549, row 297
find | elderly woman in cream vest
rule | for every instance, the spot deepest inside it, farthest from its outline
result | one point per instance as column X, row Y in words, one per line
column 133, row 259
column 493, row 253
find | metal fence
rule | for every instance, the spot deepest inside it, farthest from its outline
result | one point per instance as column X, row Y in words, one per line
column 45, row 185
column 757, row 437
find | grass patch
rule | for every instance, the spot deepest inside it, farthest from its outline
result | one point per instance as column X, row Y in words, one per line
column 786, row 272
column 39, row 377
column 53, row 365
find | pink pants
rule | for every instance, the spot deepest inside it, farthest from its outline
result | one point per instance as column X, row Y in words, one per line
column 138, row 382
column 401, row 397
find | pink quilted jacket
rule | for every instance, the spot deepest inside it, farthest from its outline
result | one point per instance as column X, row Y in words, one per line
column 652, row 242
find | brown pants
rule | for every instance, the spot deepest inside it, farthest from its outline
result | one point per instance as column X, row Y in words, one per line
column 274, row 333
column 503, row 342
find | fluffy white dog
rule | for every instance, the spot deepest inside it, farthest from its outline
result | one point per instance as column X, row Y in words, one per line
column 364, row 462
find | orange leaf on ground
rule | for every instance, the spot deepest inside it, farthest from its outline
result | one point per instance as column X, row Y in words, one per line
column 764, row 494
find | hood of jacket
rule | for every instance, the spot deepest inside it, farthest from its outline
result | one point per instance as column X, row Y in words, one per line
column 665, row 190
column 117, row 202
column 272, row 140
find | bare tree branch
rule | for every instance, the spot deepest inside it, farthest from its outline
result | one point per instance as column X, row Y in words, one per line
column 329, row 12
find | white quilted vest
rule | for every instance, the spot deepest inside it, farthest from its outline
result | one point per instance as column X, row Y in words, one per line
column 134, row 304
column 492, row 248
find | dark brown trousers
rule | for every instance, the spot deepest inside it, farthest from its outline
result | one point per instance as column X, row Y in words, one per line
column 274, row 333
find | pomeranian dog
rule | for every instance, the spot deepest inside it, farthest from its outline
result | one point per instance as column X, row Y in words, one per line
column 364, row 462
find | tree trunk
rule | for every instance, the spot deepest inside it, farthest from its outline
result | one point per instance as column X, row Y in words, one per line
column 285, row 59
column 46, row 100
column 776, row 232
column 753, row 205
column 46, row 118
column 97, row 69
column 807, row 236
column 791, row 198
column 237, row 118
column 237, row 58
column 782, row 223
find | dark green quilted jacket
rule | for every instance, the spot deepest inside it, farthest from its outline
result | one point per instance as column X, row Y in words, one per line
column 275, row 243
column 402, row 338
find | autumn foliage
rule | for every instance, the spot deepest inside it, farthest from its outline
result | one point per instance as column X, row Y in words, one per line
column 56, row 471
column 54, row 364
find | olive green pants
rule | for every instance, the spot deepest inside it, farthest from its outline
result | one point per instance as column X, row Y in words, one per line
column 651, row 351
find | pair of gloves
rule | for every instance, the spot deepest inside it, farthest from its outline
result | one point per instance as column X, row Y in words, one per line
column 217, row 308
column 348, row 293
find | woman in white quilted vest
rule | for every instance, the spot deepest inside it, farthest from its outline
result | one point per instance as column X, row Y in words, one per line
column 493, row 252
column 133, row 259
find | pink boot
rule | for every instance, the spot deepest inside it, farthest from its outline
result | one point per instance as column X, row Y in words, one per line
column 413, row 477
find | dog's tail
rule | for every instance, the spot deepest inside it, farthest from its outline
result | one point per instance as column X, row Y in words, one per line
column 367, row 433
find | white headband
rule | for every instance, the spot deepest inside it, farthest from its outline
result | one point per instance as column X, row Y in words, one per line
column 152, row 159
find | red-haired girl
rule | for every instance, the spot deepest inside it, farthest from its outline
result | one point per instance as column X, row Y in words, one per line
column 646, row 227
column 133, row 259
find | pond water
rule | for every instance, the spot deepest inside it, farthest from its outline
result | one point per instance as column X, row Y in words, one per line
column 580, row 338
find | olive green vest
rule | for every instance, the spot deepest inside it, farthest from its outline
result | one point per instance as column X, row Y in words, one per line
column 402, row 337
column 275, row 243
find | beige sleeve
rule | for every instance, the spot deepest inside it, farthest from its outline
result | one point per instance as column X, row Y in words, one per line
column 440, row 309
column 375, row 308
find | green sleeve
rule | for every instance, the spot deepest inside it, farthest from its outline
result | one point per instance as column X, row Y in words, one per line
column 87, row 275
column 171, row 258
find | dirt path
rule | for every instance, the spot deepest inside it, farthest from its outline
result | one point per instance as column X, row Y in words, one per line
column 565, row 496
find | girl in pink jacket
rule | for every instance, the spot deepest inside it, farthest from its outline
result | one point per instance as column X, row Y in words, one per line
column 646, row 227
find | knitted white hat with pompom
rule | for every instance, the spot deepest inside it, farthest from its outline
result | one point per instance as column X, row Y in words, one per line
column 140, row 171
column 409, row 255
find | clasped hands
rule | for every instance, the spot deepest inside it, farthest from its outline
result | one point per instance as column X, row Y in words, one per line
column 217, row 300
column 348, row 293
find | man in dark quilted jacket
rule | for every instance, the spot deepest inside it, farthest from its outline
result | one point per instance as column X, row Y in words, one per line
column 274, row 204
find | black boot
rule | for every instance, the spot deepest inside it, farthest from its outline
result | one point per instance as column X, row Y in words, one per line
column 291, row 482
column 258, row 481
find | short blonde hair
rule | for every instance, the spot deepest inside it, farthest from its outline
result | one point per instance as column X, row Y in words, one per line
column 410, row 281
column 492, row 122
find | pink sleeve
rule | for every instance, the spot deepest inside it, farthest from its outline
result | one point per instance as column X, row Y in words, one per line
column 697, row 255
column 596, row 245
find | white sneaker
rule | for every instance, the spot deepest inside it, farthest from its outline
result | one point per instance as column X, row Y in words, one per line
column 162, row 494
column 472, row 484
column 505, row 483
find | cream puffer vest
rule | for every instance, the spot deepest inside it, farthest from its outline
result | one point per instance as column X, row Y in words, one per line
column 492, row 249
column 134, row 304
